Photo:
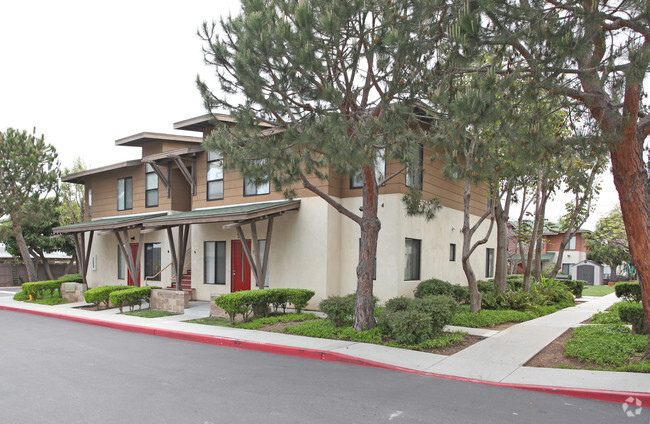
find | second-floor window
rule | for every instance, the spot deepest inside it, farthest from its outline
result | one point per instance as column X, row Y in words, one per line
column 252, row 189
column 124, row 193
column 215, row 176
column 414, row 173
column 571, row 245
column 356, row 180
column 90, row 202
column 151, row 186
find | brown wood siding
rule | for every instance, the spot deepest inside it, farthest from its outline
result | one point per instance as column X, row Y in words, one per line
column 434, row 184
column 233, row 188
column 181, row 192
column 151, row 149
column 104, row 188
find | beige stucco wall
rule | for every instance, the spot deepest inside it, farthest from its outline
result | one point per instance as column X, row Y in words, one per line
column 435, row 236
column 317, row 248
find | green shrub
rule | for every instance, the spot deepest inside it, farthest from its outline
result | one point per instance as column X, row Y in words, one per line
column 39, row 289
column 549, row 292
column 434, row 287
column 575, row 286
column 339, row 309
column 242, row 302
column 131, row 297
column 515, row 300
column 485, row 287
column 102, row 294
column 400, row 303
column 71, row 278
column 515, row 282
column 21, row 296
column 420, row 321
column 632, row 313
column 628, row 290
column 299, row 298
column 327, row 330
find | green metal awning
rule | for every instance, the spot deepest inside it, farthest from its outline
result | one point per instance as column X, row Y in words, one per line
column 232, row 213
column 107, row 223
column 545, row 256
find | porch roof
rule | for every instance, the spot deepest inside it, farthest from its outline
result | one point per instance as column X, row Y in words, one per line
column 114, row 223
column 232, row 213
column 545, row 256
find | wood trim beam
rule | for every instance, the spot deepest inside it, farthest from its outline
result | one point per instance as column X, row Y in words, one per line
column 126, row 252
column 172, row 248
column 248, row 221
column 189, row 176
column 248, row 254
column 267, row 248
column 258, row 261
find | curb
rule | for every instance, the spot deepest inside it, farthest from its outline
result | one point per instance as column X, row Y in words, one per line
column 594, row 394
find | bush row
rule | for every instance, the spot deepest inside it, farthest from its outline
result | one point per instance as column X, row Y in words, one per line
column 243, row 302
column 131, row 296
column 102, row 294
column 435, row 287
column 39, row 289
column 543, row 293
column 628, row 290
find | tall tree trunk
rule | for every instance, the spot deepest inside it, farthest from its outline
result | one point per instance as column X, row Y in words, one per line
column 533, row 236
column 540, row 218
column 630, row 179
column 364, row 312
column 32, row 275
column 502, row 213
column 46, row 264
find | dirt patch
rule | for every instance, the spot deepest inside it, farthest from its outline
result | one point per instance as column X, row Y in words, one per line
column 450, row 350
column 277, row 327
column 93, row 307
column 552, row 356
column 500, row 327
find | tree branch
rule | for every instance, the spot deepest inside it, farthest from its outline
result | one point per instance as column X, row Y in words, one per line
column 336, row 205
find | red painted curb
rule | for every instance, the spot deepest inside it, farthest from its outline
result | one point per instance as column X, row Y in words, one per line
column 595, row 394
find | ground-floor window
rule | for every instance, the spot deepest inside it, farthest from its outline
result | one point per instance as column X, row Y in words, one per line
column 489, row 263
column 412, row 259
column 215, row 262
column 121, row 264
column 452, row 252
column 152, row 261
column 566, row 269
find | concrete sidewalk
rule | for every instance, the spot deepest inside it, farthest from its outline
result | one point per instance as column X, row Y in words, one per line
column 498, row 359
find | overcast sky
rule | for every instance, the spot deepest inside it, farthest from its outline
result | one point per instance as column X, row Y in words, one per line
column 88, row 73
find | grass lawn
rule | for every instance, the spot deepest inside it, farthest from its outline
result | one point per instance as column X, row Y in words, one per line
column 597, row 290
column 54, row 299
column 148, row 313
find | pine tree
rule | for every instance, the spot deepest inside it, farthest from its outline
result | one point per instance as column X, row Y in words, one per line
column 596, row 54
column 28, row 172
column 339, row 81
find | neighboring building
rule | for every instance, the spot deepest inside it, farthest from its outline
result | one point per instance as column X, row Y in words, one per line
column 177, row 212
column 13, row 271
column 574, row 257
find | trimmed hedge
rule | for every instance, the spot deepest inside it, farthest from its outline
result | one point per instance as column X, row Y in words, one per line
column 243, row 302
column 102, row 294
column 37, row 290
column 628, row 290
column 71, row 278
column 131, row 297
column 575, row 286
column 632, row 313
column 340, row 309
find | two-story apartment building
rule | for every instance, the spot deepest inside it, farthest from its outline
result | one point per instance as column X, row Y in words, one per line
column 178, row 212
column 574, row 258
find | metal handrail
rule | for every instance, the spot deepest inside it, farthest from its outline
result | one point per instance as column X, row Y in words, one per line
column 149, row 277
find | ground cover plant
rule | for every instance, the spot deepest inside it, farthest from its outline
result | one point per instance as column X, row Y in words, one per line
column 45, row 292
column 611, row 345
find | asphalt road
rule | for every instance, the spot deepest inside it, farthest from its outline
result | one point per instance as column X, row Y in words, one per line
column 54, row 371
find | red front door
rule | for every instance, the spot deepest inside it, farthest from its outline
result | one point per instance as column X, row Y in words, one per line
column 241, row 269
column 134, row 255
